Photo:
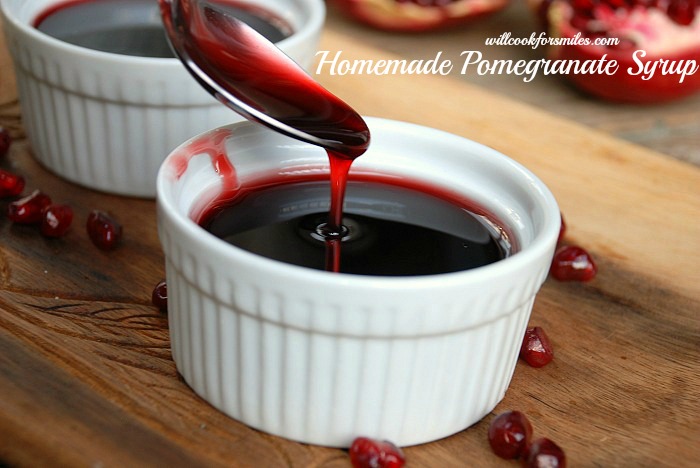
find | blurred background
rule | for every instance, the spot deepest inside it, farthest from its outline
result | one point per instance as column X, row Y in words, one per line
column 671, row 128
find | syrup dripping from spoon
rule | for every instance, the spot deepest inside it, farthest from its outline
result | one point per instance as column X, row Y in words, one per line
column 249, row 74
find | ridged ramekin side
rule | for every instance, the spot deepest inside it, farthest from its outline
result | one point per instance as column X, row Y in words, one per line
column 328, row 388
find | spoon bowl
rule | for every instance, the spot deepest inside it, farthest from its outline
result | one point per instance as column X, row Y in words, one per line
column 250, row 75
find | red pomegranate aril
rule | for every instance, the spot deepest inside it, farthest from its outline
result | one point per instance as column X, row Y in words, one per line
column 5, row 141
column 573, row 263
column 370, row 453
column 509, row 434
column 666, row 31
column 104, row 231
column 28, row 210
column 56, row 219
column 543, row 453
column 11, row 184
column 682, row 11
column 159, row 297
column 536, row 348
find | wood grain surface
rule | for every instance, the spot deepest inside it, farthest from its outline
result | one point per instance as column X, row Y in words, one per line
column 86, row 376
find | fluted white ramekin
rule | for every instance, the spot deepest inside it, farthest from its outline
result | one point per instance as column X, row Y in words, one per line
column 107, row 121
column 321, row 357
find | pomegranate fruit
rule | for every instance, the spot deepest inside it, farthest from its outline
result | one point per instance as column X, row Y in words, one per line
column 56, row 219
column 536, row 349
column 29, row 209
column 573, row 263
column 104, row 231
column 509, row 434
column 159, row 296
column 543, row 453
column 371, row 453
column 5, row 141
column 11, row 184
column 655, row 43
column 416, row 15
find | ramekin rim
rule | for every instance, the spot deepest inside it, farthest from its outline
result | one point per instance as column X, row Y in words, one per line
column 540, row 245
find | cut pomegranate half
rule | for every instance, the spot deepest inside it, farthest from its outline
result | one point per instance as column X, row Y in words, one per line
column 656, row 45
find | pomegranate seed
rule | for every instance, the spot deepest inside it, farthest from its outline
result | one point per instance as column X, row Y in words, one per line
column 682, row 11
column 509, row 434
column 159, row 297
column 371, row 453
column 572, row 263
column 543, row 453
column 536, row 349
column 28, row 210
column 56, row 220
column 5, row 141
column 104, row 231
column 11, row 184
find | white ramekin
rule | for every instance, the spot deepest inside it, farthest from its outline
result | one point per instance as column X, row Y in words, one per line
column 107, row 121
column 323, row 358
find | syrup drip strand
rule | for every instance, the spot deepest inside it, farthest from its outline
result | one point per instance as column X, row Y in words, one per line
column 252, row 76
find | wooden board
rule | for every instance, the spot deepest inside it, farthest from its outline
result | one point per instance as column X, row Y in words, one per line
column 86, row 376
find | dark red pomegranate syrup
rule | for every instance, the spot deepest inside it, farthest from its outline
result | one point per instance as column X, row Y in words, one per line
column 228, row 57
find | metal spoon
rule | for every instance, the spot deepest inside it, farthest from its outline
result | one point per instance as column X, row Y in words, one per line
column 249, row 74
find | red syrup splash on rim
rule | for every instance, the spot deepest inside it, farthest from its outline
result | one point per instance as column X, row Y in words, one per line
column 213, row 145
column 232, row 55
